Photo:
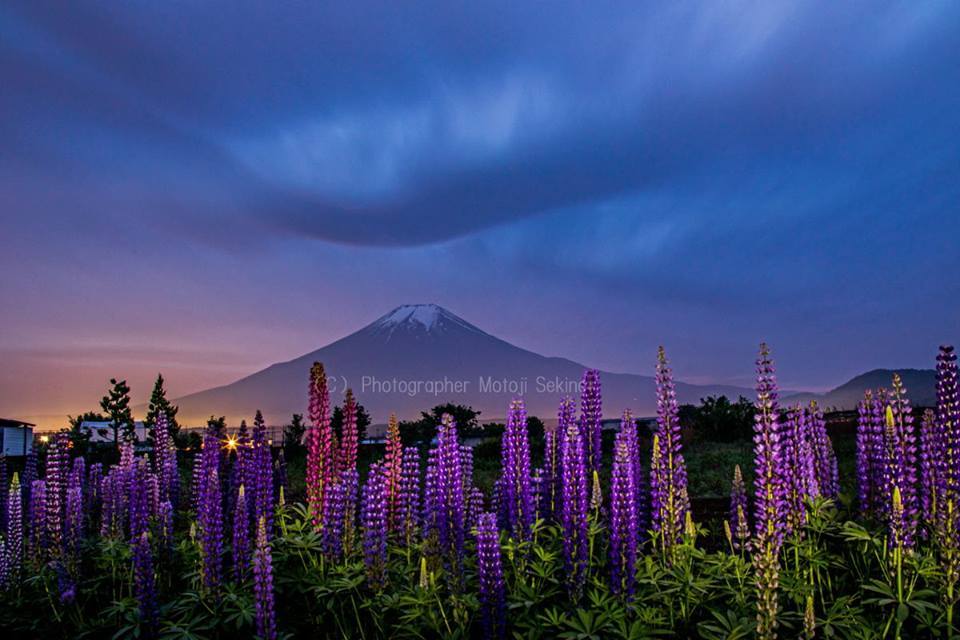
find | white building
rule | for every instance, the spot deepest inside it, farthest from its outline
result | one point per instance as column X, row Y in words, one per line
column 16, row 437
column 103, row 431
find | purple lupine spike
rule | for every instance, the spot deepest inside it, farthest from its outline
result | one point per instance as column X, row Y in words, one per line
column 516, row 498
column 320, row 458
column 165, row 525
column 931, row 456
column 38, row 522
column 901, row 472
column 165, row 460
column 881, row 499
column 865, row 459
column 574, row 505
column 624, row 530
column 668, row 476
column 196, row 480
column 797, row 470
column 145, row 588
column 475, row 506
column 240, row 549
column 825, row 460
column 210, row 517
column 770, row 503
column 73, row 527
column 56, row 492
column 553, row 455
column 14, row 541
column 3, row 491
column 139, row 499
column 628, row 427
column 739, row 523
column 374, row 518
column 449, row 495
column 591, row 417
column 331, row 537
column 263, row 584
column 263, row 477
column 492, row 593
column 431, row 507
column 948, row 437
column 5, row 569
column 408, row 503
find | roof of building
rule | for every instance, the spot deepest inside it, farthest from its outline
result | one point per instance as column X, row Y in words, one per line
column 8, row 422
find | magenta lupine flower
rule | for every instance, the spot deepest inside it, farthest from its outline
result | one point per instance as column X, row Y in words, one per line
column 263, row 473
column 374, row 518
column 393, row 469
column 516, row 498
column 574, row 506
column 739, row 522
column 624, row 530
column 240, row 549
column 349, row 441
column 591, row 417
column 165, row 460
column 14, row 541
column 38, row 522
column 668, row 475
column 56, row 492
column 144, row 584
column 825, row 460
column 408, row 502
column 865, row 454
column 901, row 472
column 320, row 458
column 449, row 494
column 210, row 517
column 492, row 593
column 263, row 585
column 770, row 503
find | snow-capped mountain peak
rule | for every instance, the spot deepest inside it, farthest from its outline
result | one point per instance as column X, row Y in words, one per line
column 420, row 318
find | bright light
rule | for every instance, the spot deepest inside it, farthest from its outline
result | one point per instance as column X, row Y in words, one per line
column 44, row 439
column 231, row 444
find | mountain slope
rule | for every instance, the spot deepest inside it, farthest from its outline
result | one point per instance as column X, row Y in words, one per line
column 390, row 365
column 919, row 383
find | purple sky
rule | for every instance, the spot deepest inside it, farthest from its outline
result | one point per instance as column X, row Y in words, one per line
column 205, row 189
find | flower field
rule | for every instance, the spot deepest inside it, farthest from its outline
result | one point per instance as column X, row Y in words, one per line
column 585, row 541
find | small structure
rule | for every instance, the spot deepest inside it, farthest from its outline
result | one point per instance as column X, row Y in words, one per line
column 16, row 437
column 102, row 431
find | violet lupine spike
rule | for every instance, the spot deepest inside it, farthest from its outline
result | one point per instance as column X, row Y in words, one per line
column 210, row 518
column 624, row 520
column 553, row 455
column 902, row 466
column 574, row 506
column 38, row 523
column 73, row 527
column 374, row 519
column 516, row 499
column 139, row 500
column 739, row 524
column 14, row 540
column 628, row 426
column 263, row 585
column 591, row 417
column 948, row 437
column 349, row 441
column 331, row 537
column 165, row 460
column 240, row 549
column 408, row 502
column 877, row 444
column 825, row 460
column 431, row 510
column 165, row 526
column 56, row 492
column 769, row 507
column 865, row 459
column 262, row 462
column 145, row 588
column 320, row 462
column 669, row 487
column 449, row 495
column 393, row 469
column 350, row 479
column 196, row 480
column 492, row 591
column 795, row 470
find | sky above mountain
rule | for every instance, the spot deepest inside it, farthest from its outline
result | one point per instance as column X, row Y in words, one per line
column 206, row 188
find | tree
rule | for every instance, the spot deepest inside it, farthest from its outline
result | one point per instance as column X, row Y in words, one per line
column 116, row 404
column 719, row 420
column 293, row 433
column 425, row 428
column 158, row 403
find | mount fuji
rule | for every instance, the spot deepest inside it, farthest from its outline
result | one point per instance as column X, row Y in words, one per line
column 421, row 355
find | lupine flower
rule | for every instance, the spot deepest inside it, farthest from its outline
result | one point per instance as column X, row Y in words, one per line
column 145, row 588
column 448, row 503
column 881, row 499
column 865, row 459
column 392, row 470
column 628, row 427
column 770, row 507
column 263, row 584
column 165, row 525
column 516, row 497
column 6, row 577
column 331, row 537
column 799, row 469
column 552, row 475
column 349, row 439
column 948, row 510
column 474, row 506
column 408, row 503
column 901, row 471
column 165, row 460
column 739, row 524
column 320, row 453
column 240, row 550
column 3, row 491
column 374, row 518
column 38, row 522
column 66, row 585
column 574, row 505
column 624, row 530
column 196, row 480
column 591, row 417
column 262, row 462
column 490, row 576
column 73, row 527
column 668, row 477
column 139, row 500
column 14, row 541
column 56, row 492
column 210, row 517
column 825, row 460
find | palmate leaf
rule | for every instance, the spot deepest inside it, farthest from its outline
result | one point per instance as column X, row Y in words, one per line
column 726, row 626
